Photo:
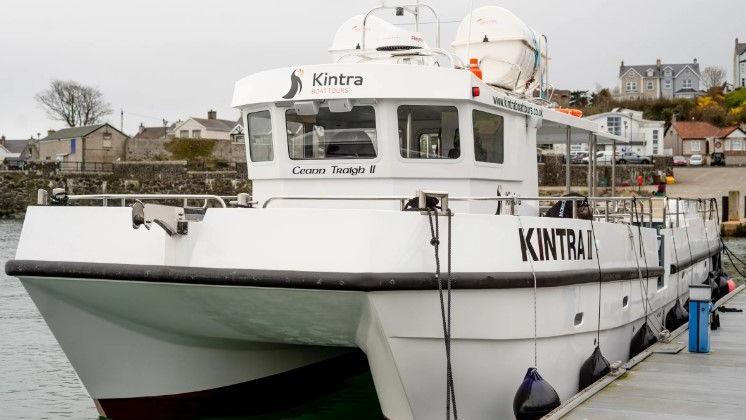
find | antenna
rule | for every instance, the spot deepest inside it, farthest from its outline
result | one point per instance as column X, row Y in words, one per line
column 468, row 39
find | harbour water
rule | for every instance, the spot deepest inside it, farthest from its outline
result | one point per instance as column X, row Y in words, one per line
column 37, row 381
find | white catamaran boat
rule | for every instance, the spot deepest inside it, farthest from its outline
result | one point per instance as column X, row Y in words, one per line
column 365, row 172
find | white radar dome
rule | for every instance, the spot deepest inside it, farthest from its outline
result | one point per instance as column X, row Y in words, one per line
column 380, row 35
column 511, row 55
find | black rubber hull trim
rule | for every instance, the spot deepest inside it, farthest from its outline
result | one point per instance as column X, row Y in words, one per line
column 687, row 262
column 314, row 280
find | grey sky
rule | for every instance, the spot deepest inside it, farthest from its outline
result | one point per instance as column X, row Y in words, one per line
column 176, row 58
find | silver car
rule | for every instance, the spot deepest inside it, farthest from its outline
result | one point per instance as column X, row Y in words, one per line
column 632, row 157
column 696, row 160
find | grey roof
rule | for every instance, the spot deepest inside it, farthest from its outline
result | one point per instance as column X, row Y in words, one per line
column 151, row 133
column 740, row 48
column 216, row 124
column 73, row 132
column 658, row 71
column 15, row 146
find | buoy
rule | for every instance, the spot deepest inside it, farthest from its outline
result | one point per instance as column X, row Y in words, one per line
column 594, row 368
column 731, row 285
column 676, row 317
column 642, row 339
column 722, row 282
column 535, row 398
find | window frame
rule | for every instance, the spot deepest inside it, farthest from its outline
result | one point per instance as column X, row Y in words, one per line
column 392, row 111
column 282, row 112
column 473, row 138
column 395, row 110
column 699, row 146
column 272, row 118
column 649, row 85
column 196, row 134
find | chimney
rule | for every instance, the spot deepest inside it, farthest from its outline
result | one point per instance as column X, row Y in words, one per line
column 142, row 128
column 622, row 65
column 2, row 140
column 50, row 132
column 658, row 62
column 695, row 60
column 212, row 114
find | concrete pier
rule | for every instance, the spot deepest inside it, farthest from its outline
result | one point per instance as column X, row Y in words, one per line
column 671, row 383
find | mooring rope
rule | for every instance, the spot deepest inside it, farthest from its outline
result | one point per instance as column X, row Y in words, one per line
column 533, row 274
column 445, row 314
column 598, row 262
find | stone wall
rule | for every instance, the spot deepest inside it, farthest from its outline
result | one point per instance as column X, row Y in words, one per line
column 157, row 149
column 18, row 189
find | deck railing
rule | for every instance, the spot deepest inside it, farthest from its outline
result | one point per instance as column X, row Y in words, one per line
column 646, row 211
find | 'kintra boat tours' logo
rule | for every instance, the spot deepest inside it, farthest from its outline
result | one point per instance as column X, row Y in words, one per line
column 323, row 83
column 296, row 85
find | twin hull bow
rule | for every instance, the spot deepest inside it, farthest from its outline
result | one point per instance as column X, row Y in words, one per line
column 143, row 316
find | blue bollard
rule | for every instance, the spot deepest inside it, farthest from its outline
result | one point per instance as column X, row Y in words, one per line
column 699, row 318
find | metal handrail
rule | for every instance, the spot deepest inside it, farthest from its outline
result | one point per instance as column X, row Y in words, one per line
column 416, row 14
column 104, row 198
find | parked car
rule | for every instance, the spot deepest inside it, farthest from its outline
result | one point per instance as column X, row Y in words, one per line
column 577, row 157
column 603, row 157
column 717, row 159
column 680, row 161
column 632, row 157
column 696, row 160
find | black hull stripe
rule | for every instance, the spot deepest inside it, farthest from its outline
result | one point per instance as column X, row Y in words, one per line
column 315, row 280
column 687, row 262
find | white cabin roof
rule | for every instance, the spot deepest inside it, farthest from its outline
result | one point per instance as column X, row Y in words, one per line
column 397, row 81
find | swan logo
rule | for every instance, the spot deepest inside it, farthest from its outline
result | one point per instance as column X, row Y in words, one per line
column 296, row 84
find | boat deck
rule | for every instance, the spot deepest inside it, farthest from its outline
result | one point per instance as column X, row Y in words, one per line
column 671, row 384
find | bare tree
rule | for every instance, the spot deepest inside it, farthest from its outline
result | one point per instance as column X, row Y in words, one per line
column 73, row 103
column 713, row 76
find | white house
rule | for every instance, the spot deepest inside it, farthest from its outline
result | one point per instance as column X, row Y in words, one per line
column 205, row 128
column 739, row 65
column 646, row 136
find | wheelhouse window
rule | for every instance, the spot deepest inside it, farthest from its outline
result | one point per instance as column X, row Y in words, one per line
column 428, row 132
column 489, row 137
column 259, row 129
column 332, row 135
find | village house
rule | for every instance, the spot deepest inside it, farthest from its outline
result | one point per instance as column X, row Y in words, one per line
column 659, row 80
column 739, row 65
column 687, row 138
column 205, row 128
column 82, row 148
column 645, row 136
column 154, row 133
column 14, row 153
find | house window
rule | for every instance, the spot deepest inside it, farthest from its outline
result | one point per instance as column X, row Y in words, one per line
column 695, row 146
column 649, row 85
column 73, row 146
column 184, row 134
column 687, row 84
column 259, row 129
column 737, row 144
column 655, row 142
column 106, row 144
column 650, row 73
column 631, row 86
column 614, row 125
column 668, row 73
column 428, row 132
column 489, row 137
column 667, row 84
column 196, row 134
